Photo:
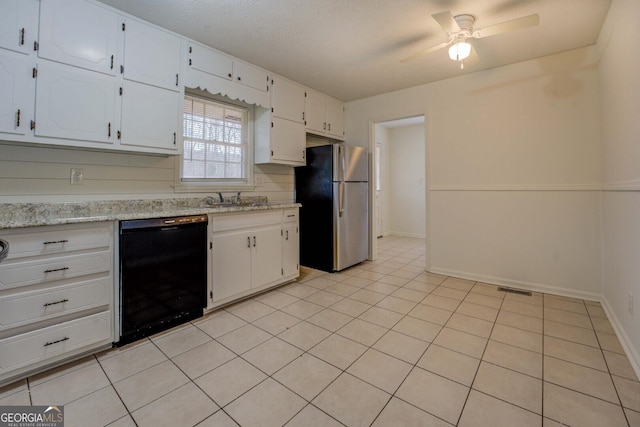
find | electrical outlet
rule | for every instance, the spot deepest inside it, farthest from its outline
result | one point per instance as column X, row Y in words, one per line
column 259, row 181
column 630, row 303
column 77, row 175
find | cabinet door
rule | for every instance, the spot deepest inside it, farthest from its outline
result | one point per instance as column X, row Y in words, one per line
column 288, row 142
column 290, row 250
column 79, row 33
column 266, row 257
column 210, row 61
column 75, row 104
column 231, row 264
column 287, row 100
column 151, row 56
column 314, row 109
column 335, row 118
column 16, row 93
column 149, row 116
column 18, row 24
column 249, row 75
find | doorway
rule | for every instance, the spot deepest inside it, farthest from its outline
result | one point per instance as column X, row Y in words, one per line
column 399, row 190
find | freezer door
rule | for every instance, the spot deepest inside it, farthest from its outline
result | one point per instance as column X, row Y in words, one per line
column 350, row 163
column 351, row 224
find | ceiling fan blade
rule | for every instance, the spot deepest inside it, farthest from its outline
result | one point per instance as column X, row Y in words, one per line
column 446, row 21
column 425, row 51
column 503, row 27
column 473, row 56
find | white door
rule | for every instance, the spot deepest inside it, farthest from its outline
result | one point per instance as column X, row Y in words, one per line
column 16, row 93
column 150, row 116
column 287, row 100
column 335, row 118
column 231, row 264
column 291, row 250
column 209, row 61
column 288, row 141
column 266, row 256
column 18, row 24
column 250, row 75
column 314, row 111
column 79, row 33
column 74, row 103
column 151, row 56
column 378, row 191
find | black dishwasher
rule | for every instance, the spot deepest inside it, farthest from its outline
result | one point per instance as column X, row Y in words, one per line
column 163, row 274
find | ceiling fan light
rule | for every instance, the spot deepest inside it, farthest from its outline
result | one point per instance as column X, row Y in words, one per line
column 459, row 51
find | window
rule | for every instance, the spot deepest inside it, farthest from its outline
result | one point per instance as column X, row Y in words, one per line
column 215, row 142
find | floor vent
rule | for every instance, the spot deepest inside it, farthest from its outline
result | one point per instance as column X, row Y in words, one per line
column 514, row 291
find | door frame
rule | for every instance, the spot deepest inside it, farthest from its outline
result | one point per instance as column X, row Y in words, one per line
column 373, row 248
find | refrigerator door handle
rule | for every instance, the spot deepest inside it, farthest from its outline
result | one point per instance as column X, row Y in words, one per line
column 341, row 198
column 343, row 163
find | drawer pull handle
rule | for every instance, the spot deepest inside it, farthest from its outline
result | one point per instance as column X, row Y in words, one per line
column 56, row 269
column 47, row 344
column 57, row 302
column 55, row 242
column 291, row 216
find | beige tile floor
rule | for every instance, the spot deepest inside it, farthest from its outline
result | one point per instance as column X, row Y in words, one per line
column 382, row 344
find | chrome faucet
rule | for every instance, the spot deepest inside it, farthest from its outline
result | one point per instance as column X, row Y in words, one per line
column 220, row 196
column 238, row 197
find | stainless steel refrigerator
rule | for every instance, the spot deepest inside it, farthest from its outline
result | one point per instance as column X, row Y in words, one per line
column 334, row 219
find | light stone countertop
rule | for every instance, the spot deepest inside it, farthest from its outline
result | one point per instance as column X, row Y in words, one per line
column 18, row 215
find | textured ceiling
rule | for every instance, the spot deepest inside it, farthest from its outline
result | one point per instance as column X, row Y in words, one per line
column 351, row 49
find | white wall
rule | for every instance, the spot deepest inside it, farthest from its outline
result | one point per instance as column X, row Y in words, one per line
column 406, row 186
column 619, row 71
column 513, row 170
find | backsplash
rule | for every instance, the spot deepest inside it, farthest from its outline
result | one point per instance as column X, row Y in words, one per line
column 36, row 174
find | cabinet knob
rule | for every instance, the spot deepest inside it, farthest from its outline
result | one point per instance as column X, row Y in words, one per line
column 229, row 75
column 239, row 79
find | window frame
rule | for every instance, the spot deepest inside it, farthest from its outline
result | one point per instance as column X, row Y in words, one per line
column 208, row 184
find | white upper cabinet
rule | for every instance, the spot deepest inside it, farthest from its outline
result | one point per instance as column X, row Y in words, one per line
column 79, row 33
column 287, row 99
column 209, row 61
column 315, row 111
column 16, row 93
column 324, row 115
column 18, row 24
column 151, row 56
column 75, row 104
column 335, row 118
column 250, row 75
column 150, row 117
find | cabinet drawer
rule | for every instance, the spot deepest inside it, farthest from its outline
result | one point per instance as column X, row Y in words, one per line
column 45, row 240
column 15, row 274
column 27, row 307
column 33, row 347
column 290, row 215
column 247, row 220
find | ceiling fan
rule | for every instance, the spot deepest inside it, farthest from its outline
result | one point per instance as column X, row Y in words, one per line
column 459, row 28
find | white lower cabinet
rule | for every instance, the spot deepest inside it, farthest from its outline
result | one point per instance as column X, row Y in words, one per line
column 247, row 254
column 56, row 295
column 291, row 243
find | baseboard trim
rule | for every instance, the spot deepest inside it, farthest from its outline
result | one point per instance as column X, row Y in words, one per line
column 625, row 341
column 529, row 286
column 632, row 353
column 401, row 234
